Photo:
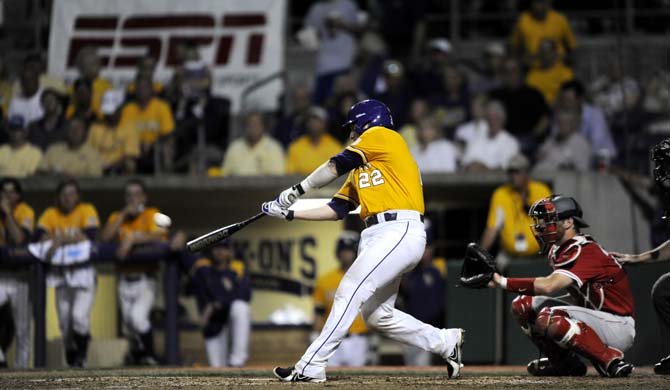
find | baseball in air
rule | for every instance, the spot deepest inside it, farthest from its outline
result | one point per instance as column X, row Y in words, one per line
column 162, row 220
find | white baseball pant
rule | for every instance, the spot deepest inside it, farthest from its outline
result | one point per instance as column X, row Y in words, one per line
column 15, row 290
column 136, row 299
column 74, row 305
column 236, row 334
column 352, row 352
column 370, row 287
column 615, row 331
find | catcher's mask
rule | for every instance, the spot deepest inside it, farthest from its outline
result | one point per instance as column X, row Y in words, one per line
column 547, row 212
column 660, row 156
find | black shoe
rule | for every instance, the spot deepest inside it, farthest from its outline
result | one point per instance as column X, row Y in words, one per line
column 663, row 367
column 617, row 369
column 291, row 375
column 3, row 364
column 543, row 367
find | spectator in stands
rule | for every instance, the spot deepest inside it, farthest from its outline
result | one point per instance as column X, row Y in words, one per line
column 18, row 158
column 354, row 348
column 508, row 218
column 427, row 75
column 51, row 128
column 615, row 91
column 593, row 125
column 477, row 127
column 527, row 111
column 80, row 104
column 72, row 157
column 291, row 125
column 490, row 76
column 453, row 105
column 66, row 232
column 338, row 113
column 336, row 23
column 17, row 220
column 433, row 153
column 657, row 93
column 5, row 88
column 223, row 293
column 312, row 149
column 392, row 90
column 27, row 103
column 88, row 66
column 419, row 109
column 566, row 148
column 254, row 154
column 119, row 147
column 424, row 295
column 145, row 69
column 496, row 149
column 151, row 118
column 539, row 23
column 133, row 227
column 46, row 81
column 551, row 72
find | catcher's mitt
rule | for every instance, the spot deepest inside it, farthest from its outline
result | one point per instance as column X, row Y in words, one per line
column 478, row 267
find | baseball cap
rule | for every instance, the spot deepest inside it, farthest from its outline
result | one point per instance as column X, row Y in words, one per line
column 16, row 122
column 318, row 112
column 111, row 101
column 518, row 162
column 440, row 44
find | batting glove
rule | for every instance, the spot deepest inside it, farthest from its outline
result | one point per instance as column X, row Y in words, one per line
column 273, row 209
column 289, row 196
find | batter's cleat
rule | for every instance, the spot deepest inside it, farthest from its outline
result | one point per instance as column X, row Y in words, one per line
column 663, row 367
column 616, row 369
column 454, row 364
column 543, row 367
column 289, row 374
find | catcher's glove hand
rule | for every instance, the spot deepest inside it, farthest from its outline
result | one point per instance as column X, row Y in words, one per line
column 478, row 267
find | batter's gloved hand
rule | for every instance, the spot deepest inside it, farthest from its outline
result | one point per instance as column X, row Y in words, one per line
column 289, row 196
column 273, row 209
column 478, row 267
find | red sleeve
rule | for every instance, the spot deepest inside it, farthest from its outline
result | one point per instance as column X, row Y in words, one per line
column 587, row 265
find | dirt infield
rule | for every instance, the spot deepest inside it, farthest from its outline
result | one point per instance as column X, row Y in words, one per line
column 480, row 377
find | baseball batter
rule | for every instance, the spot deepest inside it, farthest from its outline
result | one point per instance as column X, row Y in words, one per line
column 595, row 320
column 385, row 181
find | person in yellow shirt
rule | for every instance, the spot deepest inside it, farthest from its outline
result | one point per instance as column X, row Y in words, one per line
column 17, row 219
column 119, row 147
column 71, row 223
column 354, row 348
column 88, row 65
column 539, row 23
column 73, row 157
column 80, row 102
column 551, row 74
column 18, row 158
column 146, row 68
column 151, row 118
column 308, row 152
column 254, row 154
column 131, row 227
column 508, row 216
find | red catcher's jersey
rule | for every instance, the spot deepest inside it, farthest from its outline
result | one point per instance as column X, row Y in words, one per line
column 600, row 281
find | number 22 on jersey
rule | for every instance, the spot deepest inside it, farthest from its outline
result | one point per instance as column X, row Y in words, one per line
column 373, row 178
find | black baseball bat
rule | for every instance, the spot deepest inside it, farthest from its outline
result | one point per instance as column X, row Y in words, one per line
column 211, row 238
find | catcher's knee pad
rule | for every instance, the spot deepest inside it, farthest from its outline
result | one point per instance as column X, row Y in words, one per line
column 557, row 326
column 522, row 309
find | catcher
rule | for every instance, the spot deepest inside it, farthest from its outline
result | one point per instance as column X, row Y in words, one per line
column 594, row 320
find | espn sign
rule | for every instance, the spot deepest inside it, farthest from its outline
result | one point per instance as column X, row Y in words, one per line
column 242, row 41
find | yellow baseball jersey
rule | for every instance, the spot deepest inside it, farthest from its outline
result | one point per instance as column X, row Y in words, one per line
column 304, row 156
column 529, row 32
column 324, row 294
column 24, row 217
column 389, row 178
column 144, row 222
column 237, row 266
column 150, row 122
column 83, row 216
column 114, row 143
column 548, row 81
column 507, row 212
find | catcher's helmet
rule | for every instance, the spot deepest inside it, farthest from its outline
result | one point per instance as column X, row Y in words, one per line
column 366, row 114
column 547, row 212
column 347, row 240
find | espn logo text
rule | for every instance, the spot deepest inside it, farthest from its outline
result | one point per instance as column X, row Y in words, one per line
column 122, row 40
